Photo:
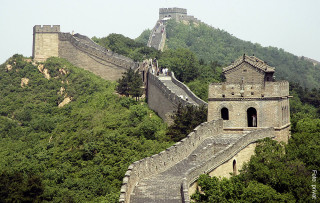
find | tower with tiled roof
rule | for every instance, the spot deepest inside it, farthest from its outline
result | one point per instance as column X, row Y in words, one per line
column 250, row 98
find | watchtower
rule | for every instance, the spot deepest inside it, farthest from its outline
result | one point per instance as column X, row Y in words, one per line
column 45, row 42
column 174, row 13
column 251, row 99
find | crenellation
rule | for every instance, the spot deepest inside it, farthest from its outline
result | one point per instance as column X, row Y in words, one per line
column 248, row 101
column 80, row 50
column 46, row 29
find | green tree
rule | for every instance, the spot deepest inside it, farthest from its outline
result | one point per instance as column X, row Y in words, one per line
column 212, row 44
column 182, row 62
column 17, row 187
column 185, row 119
column 130, row 84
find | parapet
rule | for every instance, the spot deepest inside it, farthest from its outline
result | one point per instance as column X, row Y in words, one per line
column 227, row 90
column 173, row 10
column 46, row 29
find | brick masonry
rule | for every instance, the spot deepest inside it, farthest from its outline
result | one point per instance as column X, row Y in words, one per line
column 80, row 50
column 165, row 93
column 249, row 85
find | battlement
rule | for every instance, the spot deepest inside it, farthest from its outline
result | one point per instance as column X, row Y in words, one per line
column 174, row 13
column 249, row 90
column 173, row 10
column 46, row 29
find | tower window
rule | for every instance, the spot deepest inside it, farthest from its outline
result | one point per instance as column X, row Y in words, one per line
column 225, row 113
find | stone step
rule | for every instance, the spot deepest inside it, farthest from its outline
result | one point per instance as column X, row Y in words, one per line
column 166, row 186
column 177, row 90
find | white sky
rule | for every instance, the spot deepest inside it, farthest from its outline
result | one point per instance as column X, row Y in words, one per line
column 293, row 25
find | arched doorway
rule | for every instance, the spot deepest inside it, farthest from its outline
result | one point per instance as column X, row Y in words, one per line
column 234, row 165
column 225, row 113
column 252, row 117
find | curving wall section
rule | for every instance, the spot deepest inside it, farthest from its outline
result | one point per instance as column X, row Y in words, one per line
column 166, row 159
column 187, row 90
column 215, row 161
column 83, row 52
column 165, row 101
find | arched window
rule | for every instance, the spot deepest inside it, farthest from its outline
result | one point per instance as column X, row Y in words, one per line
column 225, row 113
column 234, row 165
column 252, row 117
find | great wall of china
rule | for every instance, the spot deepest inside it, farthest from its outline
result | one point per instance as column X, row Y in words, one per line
column 79, row 50
column 213, row 147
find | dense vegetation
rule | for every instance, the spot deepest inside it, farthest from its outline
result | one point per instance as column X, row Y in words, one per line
column 185, row 119
column 127, row 47
column 277, row 172
column 197, row 74
column 215, row 45
column 76, row 153
column 130, row 84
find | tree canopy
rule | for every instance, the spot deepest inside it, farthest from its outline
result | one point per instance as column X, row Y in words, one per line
column 214, row 45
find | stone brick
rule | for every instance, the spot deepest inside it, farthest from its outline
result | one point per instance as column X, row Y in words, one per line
column 80, row 50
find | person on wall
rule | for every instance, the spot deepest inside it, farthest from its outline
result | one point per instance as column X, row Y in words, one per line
column 254, row 121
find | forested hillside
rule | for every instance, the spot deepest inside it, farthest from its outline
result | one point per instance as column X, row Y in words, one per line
column 215, row 45
column 78, row 152
column 136, row 50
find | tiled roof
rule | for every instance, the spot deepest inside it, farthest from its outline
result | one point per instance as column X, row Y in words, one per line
column 252, row 60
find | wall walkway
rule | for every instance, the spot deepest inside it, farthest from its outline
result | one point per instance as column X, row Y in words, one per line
column 157, row 37
column 164, row 94
column 168, row 178
column 83, row 52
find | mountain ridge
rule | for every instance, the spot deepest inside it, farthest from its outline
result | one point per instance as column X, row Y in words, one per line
column 212, row 44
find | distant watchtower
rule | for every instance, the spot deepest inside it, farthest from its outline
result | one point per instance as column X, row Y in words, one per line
column 250, row 98
column 174, row 13
column 45, row 42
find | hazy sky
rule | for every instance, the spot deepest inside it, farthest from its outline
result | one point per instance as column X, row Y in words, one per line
column 293, row 25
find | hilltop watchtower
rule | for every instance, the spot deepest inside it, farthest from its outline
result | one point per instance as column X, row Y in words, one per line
column 45, row 42
column 174, row 13
column 250, row 99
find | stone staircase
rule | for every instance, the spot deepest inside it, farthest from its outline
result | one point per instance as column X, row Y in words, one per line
column 176, row 89
column 156, row 36
column 156, row 40
column 166, row 186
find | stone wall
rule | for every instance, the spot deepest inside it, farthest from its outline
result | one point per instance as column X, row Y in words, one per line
column 237, row 150
column 45, row 41
column 179, row 14
column 269, row 99
column 187, row 90
column 166, row 159
column 83, row 52
column 163, row 101
column 251, row 90
column 158, row 36
column 79, row 50
column 246, row 73
column 175, row 13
